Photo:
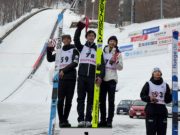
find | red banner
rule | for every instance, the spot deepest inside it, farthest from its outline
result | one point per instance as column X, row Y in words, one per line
column 139, row 38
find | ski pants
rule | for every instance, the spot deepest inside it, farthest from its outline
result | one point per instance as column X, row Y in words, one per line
column 107, row 87
column 156, row 124
column 65, row 96
column 85, row 87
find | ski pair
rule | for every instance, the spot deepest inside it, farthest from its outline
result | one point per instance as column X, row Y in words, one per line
column 52, row 122
column 101, row 16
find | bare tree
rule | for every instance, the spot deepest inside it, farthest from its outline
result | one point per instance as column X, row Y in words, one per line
column 147, row 10
column 13, row 9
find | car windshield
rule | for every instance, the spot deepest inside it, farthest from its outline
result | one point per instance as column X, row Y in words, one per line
column 122, row 102
column 139, row 103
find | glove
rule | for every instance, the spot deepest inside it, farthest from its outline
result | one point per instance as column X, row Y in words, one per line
column 112, row 61
column 51, row 45
column 153, row 99
column 61, row 74
column 98, row 81
column 81, row 25
column 50, row 49
column 115, row 55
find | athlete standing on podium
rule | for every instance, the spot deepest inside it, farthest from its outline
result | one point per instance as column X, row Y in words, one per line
column 86, row 74
column 113, row 60
column 69, row 57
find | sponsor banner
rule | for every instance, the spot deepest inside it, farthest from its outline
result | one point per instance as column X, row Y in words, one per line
column 172, row 25
column 145, row 52
column 160, row 34
column 164, row 38
column 145, row 44
column 126, row 48
column 139, row 38
column 151, row 30
column 165, row 42
column 135, row 33
column 131, row 54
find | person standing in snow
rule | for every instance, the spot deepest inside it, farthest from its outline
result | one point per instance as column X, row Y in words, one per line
column 156, row 93
column 69, row 57
column 86, row 74
column 113, row 61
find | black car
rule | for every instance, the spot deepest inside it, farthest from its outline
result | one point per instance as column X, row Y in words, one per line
column 124, row 106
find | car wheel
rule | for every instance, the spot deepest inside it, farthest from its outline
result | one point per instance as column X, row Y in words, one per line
column 130, row 116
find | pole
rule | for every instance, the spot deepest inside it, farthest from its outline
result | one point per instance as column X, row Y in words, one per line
column 85, row 6
column 93, row 10
column 161, row 9
column 132, row 11
column 175, row 83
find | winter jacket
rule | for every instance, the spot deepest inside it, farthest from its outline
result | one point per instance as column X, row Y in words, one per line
column 70, row 70
column 86, row 69
column 111, row 74
column 153, row 108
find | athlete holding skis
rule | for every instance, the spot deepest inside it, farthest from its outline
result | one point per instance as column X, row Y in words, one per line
column 69, row 57
column 86, row 74
column 156, row 93
column 113, row 60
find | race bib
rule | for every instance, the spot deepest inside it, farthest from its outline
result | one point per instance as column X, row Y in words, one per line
column 65, row 58
column 88, row 55
column 107, row 58
column 158, row 91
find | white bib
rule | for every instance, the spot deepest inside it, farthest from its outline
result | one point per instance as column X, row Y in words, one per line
column 88, row 55
column 107, row 58
column 158, row 91
column 65, row 58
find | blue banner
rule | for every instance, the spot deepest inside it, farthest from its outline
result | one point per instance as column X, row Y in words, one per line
column 126, row 48
column 151, row 30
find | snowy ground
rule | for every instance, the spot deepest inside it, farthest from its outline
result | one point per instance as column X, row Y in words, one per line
column 27, row 111
column 20, row 49
column 32, row 119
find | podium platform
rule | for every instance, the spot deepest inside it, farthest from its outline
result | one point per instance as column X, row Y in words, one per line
column 85, row 131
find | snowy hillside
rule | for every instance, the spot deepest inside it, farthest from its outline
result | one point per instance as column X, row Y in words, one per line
column 27, row 111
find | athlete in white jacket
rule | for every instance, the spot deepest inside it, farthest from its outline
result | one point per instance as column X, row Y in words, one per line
column 113, row 61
